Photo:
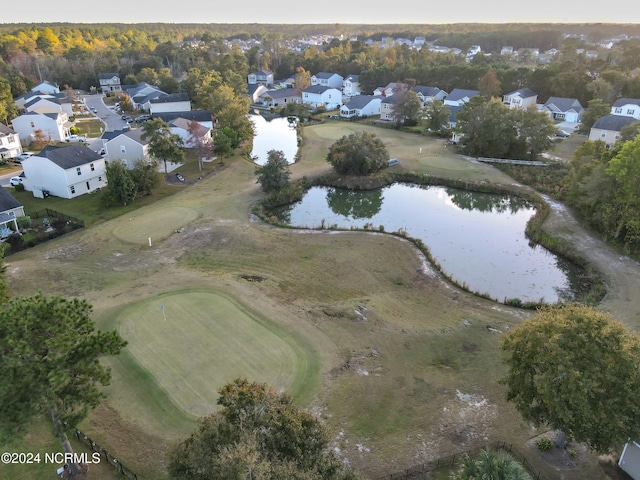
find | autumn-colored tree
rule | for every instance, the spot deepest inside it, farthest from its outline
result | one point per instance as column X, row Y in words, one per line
column 302, row 80
column 489, row 85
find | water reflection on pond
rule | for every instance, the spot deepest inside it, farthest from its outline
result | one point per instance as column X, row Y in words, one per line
column 477, row 238
column 275, row 134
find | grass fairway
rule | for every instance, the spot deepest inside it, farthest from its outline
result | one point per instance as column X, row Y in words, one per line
column 154, row 223
column 206, row 341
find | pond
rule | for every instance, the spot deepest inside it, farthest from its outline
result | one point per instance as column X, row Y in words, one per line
column 477, row 239
column 275, row 134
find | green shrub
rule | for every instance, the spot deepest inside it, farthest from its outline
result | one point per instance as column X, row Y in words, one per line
column 544, row 444
column 23, row 222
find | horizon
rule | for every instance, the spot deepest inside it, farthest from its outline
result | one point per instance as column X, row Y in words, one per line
column 253, row 12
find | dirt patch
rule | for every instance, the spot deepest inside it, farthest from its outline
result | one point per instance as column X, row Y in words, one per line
column 253, row 278
column 574, row 455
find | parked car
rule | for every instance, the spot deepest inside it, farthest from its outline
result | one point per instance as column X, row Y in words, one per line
column 23, row 156
column 562, row 134
column 143, row 118
column 76, row 138
column 15, row 181
column 94, row 109
column 127, row 118
column 179, row 177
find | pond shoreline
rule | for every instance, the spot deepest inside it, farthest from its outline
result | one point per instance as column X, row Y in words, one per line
column 533, row 231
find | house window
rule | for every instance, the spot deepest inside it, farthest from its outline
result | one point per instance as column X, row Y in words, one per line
column 618, row 110
column 603, row 134
column 92, row 167
column 631, row 111
column 78, row 171
column 99, row 179
column 73, row 189
column 123, row 149
column 33, row 125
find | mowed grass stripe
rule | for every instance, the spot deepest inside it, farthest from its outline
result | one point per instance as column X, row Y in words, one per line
column 206, row 341
column 157, row 223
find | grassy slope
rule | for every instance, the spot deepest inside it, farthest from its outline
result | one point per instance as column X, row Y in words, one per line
column 395, row 383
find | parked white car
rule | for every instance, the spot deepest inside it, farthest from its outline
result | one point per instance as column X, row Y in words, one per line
column 76, row 138
column 23, row 156
column 15, row 181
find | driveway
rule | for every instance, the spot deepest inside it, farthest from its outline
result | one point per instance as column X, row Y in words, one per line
column 568, row 126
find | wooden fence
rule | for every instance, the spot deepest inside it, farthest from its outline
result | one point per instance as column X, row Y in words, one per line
column 118, row 465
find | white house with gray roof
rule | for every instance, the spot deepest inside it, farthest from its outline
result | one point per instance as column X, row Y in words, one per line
column 142, row 94
column 46, row 87
column 327, row 79
column 320, row 96
column 428, row 94
column 109, row 82
column 628, row 107
column 9, row 143
column 564, row 109
column 128, row 147
column 173, row 102
column 53, row 126
column 65, row 172
column 351, row 86
column 460, row 96
column 361, row 106
column 10, row 209
column 281, row 97
column 261, row 77
column 522, row 98
column 608, row 128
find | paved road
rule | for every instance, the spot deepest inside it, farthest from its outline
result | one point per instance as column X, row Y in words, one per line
column 110, row 118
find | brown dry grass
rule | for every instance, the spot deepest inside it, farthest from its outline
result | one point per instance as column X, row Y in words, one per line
column 415, row 379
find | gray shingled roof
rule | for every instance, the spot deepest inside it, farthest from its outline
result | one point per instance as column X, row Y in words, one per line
column 523, row 92
column 621, row 102
column 7, row 202
column 561, row 104
column 426, row 91
column 69, row 157
column 613, row 123
column 353, row 78
column 107, row 75
column 359, row 102
column 198, row 115
column 318, row 89
column 172, row 97
column 324, row 75
column 459, row 93
column 5, row 130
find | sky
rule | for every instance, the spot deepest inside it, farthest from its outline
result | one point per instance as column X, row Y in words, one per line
column 328, row 11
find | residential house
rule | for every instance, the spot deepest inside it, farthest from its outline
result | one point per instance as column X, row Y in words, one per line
column 49, row 104
column 460, row 96
column 53, row 126
column 391, row 89
column 523, row 98
column 9, row 143
column 174, row 102
column 109, row 82
column 142, row 94
column 65, row 172
column 10, row 209
column 280, row 97
column 361, row 106
column 203, row 117
column 327, row 79
column 255, row 91
column 630, row 460
column 628, row 107
column 608, row 128
column 321, row 96
column 506, row 51
column 428, row 94
column 46, row 87
column 564, row 109
column 351, row 86
column 388, row 108
column 261, row 77
column 453, row 121
column 287, row 82
column 128, row 147
column 188, row 130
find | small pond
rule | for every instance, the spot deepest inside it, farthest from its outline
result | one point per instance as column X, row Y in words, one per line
column 275, row 134
column 478, row 239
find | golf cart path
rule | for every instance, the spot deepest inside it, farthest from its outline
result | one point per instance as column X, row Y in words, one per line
column 621, row 274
